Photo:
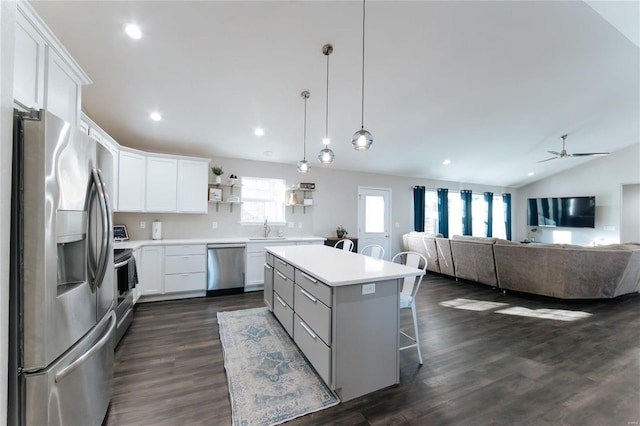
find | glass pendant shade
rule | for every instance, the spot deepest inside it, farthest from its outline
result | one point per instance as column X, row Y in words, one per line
column 361, row 140
column 303, row 166
column 326, row 156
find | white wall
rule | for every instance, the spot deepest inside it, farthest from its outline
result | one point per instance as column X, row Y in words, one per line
column 335, row 203
column 602, row 177
column 7, row 24
column 630, row 215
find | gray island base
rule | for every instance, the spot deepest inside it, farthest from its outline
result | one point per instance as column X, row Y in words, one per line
column 342, row 310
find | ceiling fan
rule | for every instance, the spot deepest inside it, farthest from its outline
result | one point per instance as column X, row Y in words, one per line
column 565, row 154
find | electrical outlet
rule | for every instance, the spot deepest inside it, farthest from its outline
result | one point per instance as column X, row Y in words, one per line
column 368, row 288
column 143, row 224
column 300, row 225
column 290, row 224
column 214, row 225
column 397, row 224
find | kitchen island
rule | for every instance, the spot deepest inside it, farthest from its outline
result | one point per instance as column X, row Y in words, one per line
column 342, row 310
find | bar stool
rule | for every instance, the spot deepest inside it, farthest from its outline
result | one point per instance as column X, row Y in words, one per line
column 408, row 293
column 346, row 245
column 373, row 250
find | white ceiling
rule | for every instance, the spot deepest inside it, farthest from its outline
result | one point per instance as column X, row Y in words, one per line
column 490, row 85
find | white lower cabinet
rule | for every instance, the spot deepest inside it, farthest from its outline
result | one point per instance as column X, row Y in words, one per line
column 185, row 268
column 150, row 271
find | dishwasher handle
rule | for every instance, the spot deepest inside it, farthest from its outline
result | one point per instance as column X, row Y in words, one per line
column 224, row 246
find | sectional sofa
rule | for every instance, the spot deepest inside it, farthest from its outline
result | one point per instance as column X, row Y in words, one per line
column 556, row 270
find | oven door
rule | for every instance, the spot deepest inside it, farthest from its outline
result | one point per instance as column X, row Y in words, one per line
column 123, row 295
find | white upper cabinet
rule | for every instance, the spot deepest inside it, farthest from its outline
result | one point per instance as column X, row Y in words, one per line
column 28, row 73
column 162, row 184
column 131, row 181
column 62, row 95
column 45, row 75
column 192, row 186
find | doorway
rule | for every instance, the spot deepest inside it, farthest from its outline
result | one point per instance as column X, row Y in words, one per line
column 374, row 218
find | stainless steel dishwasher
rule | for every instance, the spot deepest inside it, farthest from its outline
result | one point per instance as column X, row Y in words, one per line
column 225, row 269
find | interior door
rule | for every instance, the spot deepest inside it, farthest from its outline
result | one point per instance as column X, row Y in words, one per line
column 374, row 218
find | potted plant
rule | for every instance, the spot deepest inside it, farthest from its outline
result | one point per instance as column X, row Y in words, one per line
column 217, row 171
column 341, row 232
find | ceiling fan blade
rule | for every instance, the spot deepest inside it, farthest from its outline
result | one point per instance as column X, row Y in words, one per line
column 554, row 152
column 548, row 159
column 590, row 154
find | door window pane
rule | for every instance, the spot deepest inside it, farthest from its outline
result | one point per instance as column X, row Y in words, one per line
column 374, row 213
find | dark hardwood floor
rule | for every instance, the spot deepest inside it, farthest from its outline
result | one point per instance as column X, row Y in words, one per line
column 480, row 367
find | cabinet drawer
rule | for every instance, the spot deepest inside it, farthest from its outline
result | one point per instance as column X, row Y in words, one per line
column 269, row 259
column 283, row 267
column 316, row 288
column 185, row 264
column 314, row 313
column 283, row 286
column 313, row 348
column 186, row 249
column 185, row 282
column 284, row 313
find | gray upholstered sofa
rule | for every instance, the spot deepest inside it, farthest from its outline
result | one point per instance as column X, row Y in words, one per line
column 563, row 271
column 424, row 244
column 473, row 259
column 568, row 272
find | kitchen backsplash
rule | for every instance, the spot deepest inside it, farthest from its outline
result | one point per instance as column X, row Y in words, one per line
column 176, row 226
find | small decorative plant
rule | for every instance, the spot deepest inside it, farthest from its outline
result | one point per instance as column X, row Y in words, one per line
column 217, row 170
column 341, row 231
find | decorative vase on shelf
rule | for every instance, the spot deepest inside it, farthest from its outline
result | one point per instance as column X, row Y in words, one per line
column 218, row 179
column 293, row 198
column 341, row 232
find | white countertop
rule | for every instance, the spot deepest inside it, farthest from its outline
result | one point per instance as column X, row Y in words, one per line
column 134, row 244
column 337, row 267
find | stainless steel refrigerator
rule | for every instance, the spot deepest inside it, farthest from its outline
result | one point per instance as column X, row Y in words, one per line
column 62, row 322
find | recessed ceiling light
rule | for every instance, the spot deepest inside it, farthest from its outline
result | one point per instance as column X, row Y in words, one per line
column 155, row 116
column 530, row 174
column 133, row 31
column 259, row 132
column 446, row 162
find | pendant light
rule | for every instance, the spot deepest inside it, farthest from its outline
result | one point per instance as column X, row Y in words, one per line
column 303, row 165
column 326, row 156
column 362, row 139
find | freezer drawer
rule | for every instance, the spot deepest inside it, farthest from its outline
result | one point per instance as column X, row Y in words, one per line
column 77, row 387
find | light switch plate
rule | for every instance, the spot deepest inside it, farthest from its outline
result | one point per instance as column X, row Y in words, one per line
column 214, row 225
column 368, row 288
column 143, row 224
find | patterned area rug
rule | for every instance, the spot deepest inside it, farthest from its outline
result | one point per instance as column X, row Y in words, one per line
column 270, row 381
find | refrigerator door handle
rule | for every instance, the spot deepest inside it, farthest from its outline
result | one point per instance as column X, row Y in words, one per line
column 106, row 226
column 95, row 348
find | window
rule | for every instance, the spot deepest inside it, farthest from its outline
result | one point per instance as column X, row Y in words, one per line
column 431, row 211
column 499, row 230
column 262, row 199
column 479, row 209
column 455, row 213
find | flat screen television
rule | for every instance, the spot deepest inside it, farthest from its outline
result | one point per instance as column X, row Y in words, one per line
column 566, row 212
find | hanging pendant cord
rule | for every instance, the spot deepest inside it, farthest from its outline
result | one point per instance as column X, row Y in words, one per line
column 304, row 139
column 363, row 16
column 326, row 114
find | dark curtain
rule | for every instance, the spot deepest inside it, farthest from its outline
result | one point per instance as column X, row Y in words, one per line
column 506, row 201
column 418, row 208
column 533, row 212
column 465, row 196
column 488, row 223
column 443, row 212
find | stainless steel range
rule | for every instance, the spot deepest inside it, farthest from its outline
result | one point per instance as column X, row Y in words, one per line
column 125, row 278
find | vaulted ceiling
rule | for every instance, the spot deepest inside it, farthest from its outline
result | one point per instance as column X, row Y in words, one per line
column 491, row 86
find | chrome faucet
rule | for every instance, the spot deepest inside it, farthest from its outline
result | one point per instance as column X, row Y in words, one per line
column 267, row 228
